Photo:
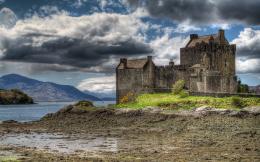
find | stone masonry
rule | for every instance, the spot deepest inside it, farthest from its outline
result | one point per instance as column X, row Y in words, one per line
column 207, row 64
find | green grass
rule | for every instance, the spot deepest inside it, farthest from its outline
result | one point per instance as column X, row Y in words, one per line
column 174, row 102
column 9, row 159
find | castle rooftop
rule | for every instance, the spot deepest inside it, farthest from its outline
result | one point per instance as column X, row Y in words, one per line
column 217, row 38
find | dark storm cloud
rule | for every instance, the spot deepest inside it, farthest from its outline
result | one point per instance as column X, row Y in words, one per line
column 250, row 52
column 247, row 11
column 179, row 10
column 248, row 44
column 73, row 52
column 134, row 3
column 86, row 42
column 204, row 11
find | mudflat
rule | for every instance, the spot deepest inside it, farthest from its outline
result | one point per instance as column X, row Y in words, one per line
column 150, row 134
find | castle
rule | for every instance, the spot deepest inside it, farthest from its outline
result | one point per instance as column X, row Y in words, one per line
column 207, row 65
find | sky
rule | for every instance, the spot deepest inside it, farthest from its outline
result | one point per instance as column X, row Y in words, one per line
column 80, row 42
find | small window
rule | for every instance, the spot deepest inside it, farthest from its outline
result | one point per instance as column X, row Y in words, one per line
column 225, row 62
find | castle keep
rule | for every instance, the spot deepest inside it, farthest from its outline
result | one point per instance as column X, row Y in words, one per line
column 207, row 64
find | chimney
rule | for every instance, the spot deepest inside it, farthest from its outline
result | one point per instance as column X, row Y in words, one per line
column 149, row 58
column 194, row 36
column 124, row 62
column 171, row 63
column 221, row 33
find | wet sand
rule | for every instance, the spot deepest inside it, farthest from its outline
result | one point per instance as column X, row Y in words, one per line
column 135, row 135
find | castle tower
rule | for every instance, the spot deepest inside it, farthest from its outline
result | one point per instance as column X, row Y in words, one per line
column 216, row 56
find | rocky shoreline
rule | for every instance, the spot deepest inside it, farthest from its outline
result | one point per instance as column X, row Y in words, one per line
column 150, row 134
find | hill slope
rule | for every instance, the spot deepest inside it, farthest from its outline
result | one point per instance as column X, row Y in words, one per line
column 44, row 91
column 8, row 97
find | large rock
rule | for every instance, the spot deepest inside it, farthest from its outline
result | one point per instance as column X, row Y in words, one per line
column 255, row 110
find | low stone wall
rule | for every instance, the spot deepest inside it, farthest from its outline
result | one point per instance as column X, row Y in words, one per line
column 223, row 94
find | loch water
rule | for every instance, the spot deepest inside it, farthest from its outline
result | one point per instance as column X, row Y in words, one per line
column 26, row 113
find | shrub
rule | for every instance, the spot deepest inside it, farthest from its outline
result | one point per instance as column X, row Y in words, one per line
column 242, row 88
column 183, row 94
column 84, row 104
column 237, row 102
column 127, row 98
column 178, row 87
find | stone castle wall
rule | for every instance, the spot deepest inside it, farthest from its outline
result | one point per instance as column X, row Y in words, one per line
column 151, row 79
column 216, row 57
column 217, row 71
column 205, row 67
column 128, row 81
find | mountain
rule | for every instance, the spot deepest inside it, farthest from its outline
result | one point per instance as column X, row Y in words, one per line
column 109, row 99
column 44, row 91
column 109, row 96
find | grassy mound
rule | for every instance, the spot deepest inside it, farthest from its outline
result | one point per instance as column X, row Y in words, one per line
column 180, row 101
column 85, row 106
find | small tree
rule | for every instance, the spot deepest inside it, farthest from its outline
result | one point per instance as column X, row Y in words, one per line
column 242, row 88
column 178, row 87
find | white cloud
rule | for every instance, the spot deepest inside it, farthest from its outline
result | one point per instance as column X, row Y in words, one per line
column 79, row 3
column 248, row 51
column 106, row 84
column 224, row 26
column 248, row 66
column 185, row 27
column 103, row 4
column 248, row 43
column 104, row 30
column 166, row 48
column 140, row 12
column 99, row 28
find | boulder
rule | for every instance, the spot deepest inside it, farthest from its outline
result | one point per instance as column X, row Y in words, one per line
column 254, row 110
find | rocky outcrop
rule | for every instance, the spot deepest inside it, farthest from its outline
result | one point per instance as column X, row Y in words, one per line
column 206, row 111
column 87, row 109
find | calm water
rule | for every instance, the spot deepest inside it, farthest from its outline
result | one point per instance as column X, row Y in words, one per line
column 24, row 113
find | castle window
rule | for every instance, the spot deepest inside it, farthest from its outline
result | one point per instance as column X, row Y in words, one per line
column 225, row 62
column 200, row 75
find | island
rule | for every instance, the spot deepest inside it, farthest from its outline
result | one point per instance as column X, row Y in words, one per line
column 14, row 96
